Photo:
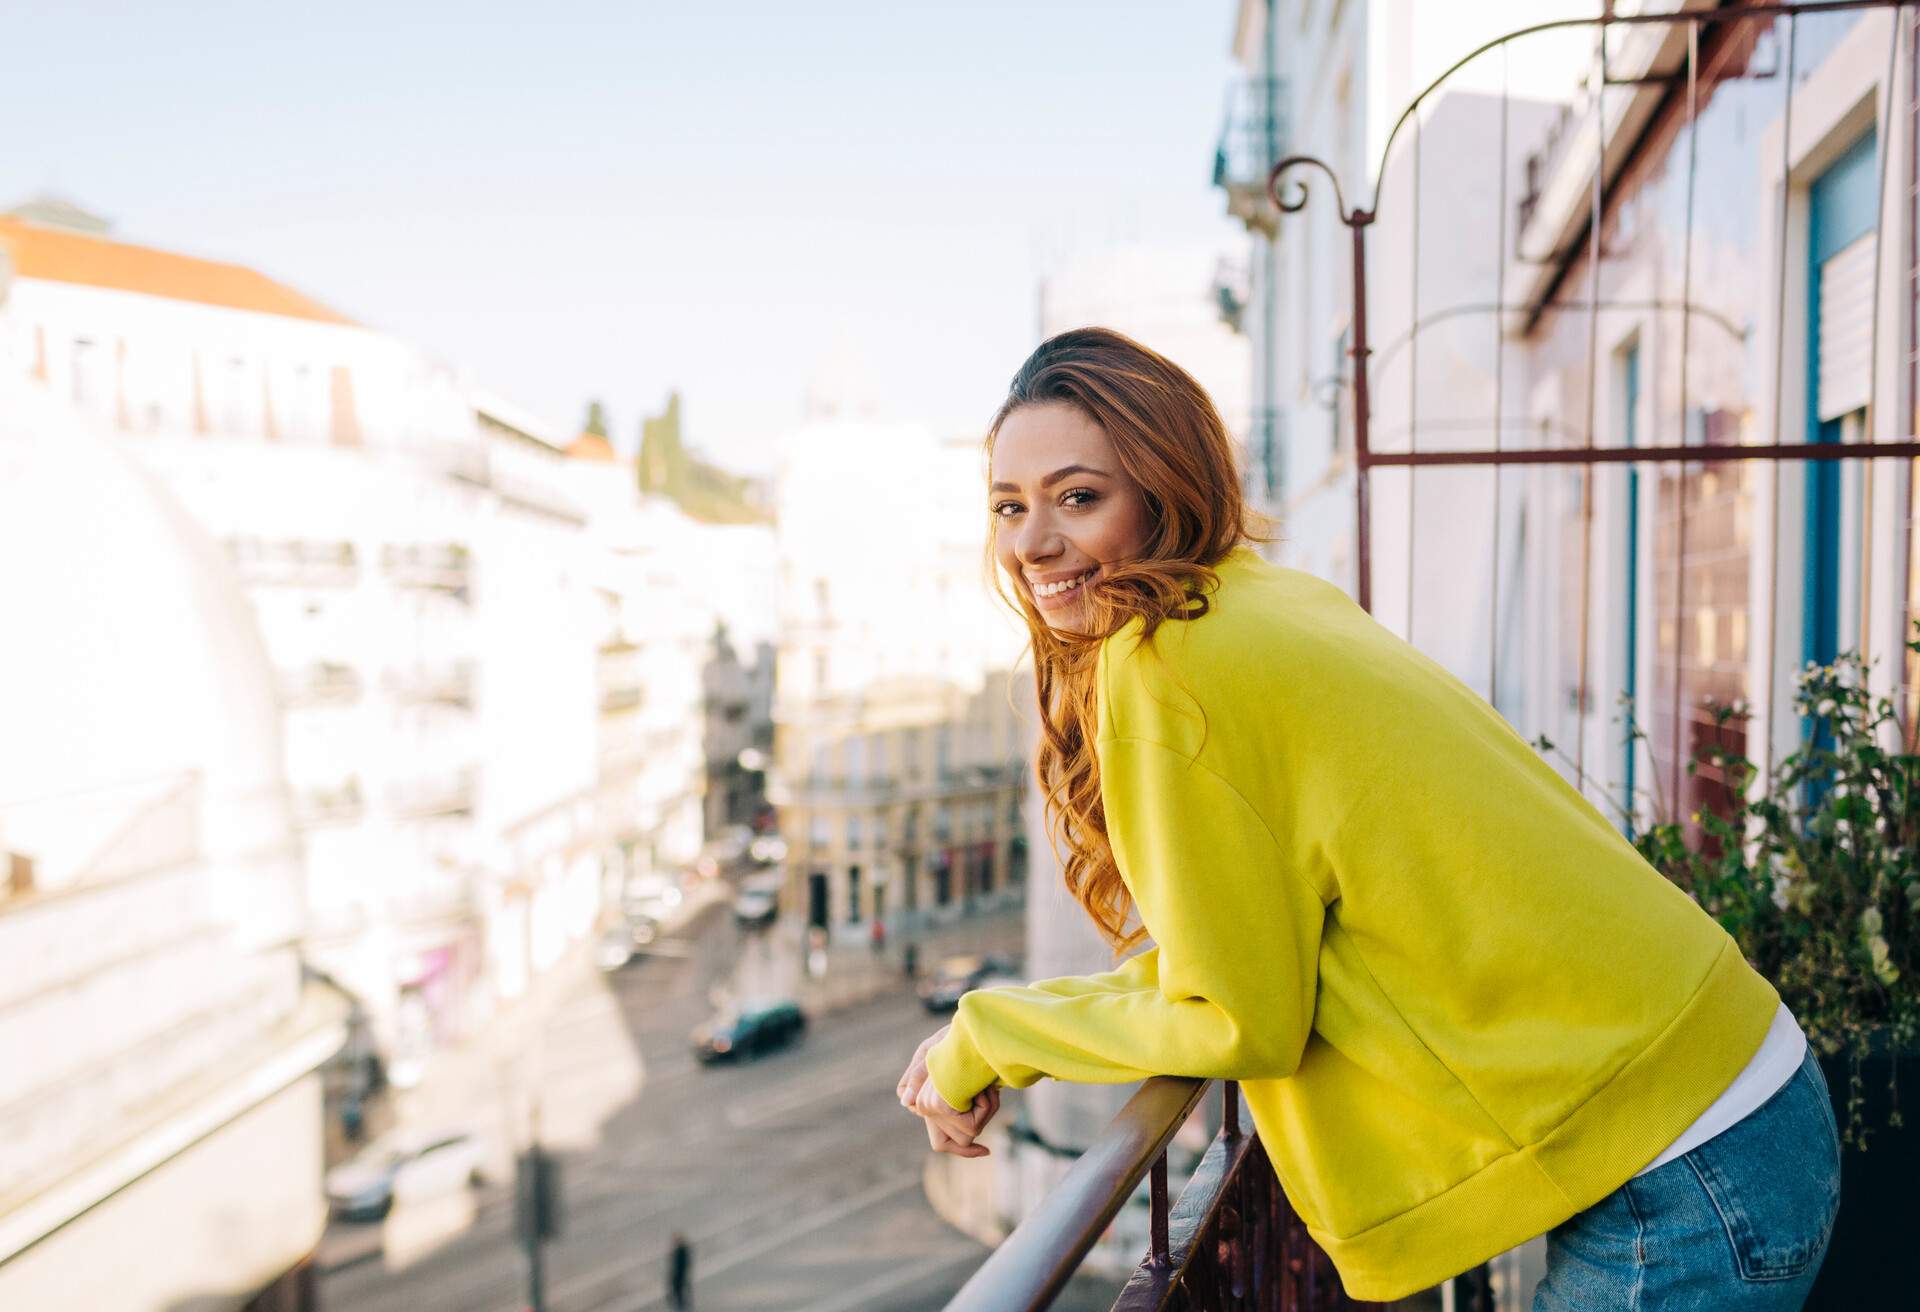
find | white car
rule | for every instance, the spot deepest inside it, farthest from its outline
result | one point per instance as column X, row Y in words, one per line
column 405, row 1166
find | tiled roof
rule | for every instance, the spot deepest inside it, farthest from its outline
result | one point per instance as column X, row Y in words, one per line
column 89, row 261
column 591, row 446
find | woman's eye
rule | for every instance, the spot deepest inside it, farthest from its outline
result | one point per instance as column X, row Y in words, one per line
column 1080, row 496
column 1006, row 508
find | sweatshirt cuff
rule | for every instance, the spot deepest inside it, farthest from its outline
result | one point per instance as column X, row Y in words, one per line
column 957, row 1069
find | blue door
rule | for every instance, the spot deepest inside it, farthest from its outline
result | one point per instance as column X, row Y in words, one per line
column 1842, row 206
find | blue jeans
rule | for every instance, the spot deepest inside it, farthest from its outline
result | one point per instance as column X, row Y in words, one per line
column 1737, row 1225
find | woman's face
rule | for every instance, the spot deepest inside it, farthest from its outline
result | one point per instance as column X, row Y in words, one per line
column 1062, row 508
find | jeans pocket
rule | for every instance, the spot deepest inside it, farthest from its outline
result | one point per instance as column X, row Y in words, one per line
column 1772, row 1179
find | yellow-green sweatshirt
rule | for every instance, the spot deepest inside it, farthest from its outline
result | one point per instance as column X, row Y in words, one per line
column 1463, row 1006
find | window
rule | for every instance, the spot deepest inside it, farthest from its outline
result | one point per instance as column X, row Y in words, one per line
column 853, row 895
column 90, row 390
column 236, row 403
column 820, row 831
column 856, row 831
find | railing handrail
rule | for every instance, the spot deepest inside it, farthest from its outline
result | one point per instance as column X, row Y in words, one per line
column 1033, row 1264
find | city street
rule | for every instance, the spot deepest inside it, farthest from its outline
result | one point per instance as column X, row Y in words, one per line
column 796, row 1177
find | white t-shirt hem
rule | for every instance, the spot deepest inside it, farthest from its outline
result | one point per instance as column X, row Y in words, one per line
column 1780, row 1055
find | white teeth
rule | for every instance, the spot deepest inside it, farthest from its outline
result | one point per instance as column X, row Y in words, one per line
column 1055, row 589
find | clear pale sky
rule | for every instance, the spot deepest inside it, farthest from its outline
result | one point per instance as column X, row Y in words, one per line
column 576, row 199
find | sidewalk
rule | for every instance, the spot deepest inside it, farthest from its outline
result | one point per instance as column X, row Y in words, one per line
column 856, row 973
column 473, row 1084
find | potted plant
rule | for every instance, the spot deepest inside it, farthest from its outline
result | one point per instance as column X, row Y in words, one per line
column 1816, row 875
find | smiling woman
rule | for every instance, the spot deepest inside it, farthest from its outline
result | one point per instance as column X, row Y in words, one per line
column 1114, row 493
column 1464, row 1010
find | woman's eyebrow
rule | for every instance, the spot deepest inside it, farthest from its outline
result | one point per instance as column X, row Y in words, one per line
column 1055, row 477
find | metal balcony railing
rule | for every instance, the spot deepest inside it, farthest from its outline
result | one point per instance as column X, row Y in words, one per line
column 1231, row 1241
column 1253, row 139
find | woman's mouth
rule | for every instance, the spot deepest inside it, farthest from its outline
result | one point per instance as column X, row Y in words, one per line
column 1050, row 595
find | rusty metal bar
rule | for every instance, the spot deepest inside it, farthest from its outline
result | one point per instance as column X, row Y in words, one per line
column 1362, row 409
column 1499, row 372
column 1680, row 482
column 1883, row 151
column 1157, row 1211
column 1596, row 217
column 1908, row 660
column 1413, row 375
column 1154, row 1286
column 1779, row 348
column 1654, row 454
column 1033, row 1264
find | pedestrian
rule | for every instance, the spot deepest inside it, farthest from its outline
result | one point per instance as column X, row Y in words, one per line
column 680, row 1273
column 817, row 951
column 878, row 936
column 910, row 960
column 1465, row 1010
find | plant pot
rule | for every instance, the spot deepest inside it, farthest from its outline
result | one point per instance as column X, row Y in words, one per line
column 1868, row 1262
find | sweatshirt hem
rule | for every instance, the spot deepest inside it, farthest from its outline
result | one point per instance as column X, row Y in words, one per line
column 1627, row 1122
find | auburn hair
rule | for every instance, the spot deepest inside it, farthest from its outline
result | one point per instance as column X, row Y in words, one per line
column 1170, row 441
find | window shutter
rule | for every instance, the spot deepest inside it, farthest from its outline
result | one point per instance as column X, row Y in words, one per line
column 1846, row 329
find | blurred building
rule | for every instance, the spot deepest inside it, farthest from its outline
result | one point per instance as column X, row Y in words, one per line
column 738, row 732
column 1331, row 81
column 160, row 1107
column 1685, row 237
column 898, row 762
column 440, row 593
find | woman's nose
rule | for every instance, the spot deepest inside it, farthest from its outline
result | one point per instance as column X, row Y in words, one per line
column 1038, row 542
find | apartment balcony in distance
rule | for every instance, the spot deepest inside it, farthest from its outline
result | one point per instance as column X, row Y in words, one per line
column 451, row 684
column 294, row 562
column 323, row 683
column 329, row 804
column 435, row 795
column 1252, row 140
column 441, row 566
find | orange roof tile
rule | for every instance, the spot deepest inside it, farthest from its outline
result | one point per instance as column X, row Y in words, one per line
column 591, row 446
column 60, row 256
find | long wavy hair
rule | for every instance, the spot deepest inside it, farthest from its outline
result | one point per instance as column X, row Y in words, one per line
column 1170, row 440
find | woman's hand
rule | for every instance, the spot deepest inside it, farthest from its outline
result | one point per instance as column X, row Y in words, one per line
column 916, row 1072
column 953, row 1132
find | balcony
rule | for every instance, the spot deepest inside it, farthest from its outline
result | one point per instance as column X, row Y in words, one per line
column 1252, row 140
column 329, row 804
column 1230, row 1241
column 451, row 684
column 323, row 683
column 294, row 562
column 440, row 795
column 438, row 566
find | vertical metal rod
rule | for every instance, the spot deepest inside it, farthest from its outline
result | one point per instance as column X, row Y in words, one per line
column 1499, row 369
column 1597, row 214
column 1413, row 372
column 1362, row 411
column 1883, row 126
column 1779, row 357
column 1680, row 470
column 1907, row 664
column 1159, row 1253
column 1230, row 1108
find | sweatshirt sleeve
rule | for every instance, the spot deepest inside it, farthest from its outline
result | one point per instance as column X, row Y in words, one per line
column 1227, row 994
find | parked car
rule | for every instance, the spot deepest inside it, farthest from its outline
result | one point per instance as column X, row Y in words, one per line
column 405, row 1166
column 957, row 975
column 651, row 897
column 749, row 1033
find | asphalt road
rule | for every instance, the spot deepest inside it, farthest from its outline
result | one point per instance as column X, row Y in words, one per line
column 796, row 1177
